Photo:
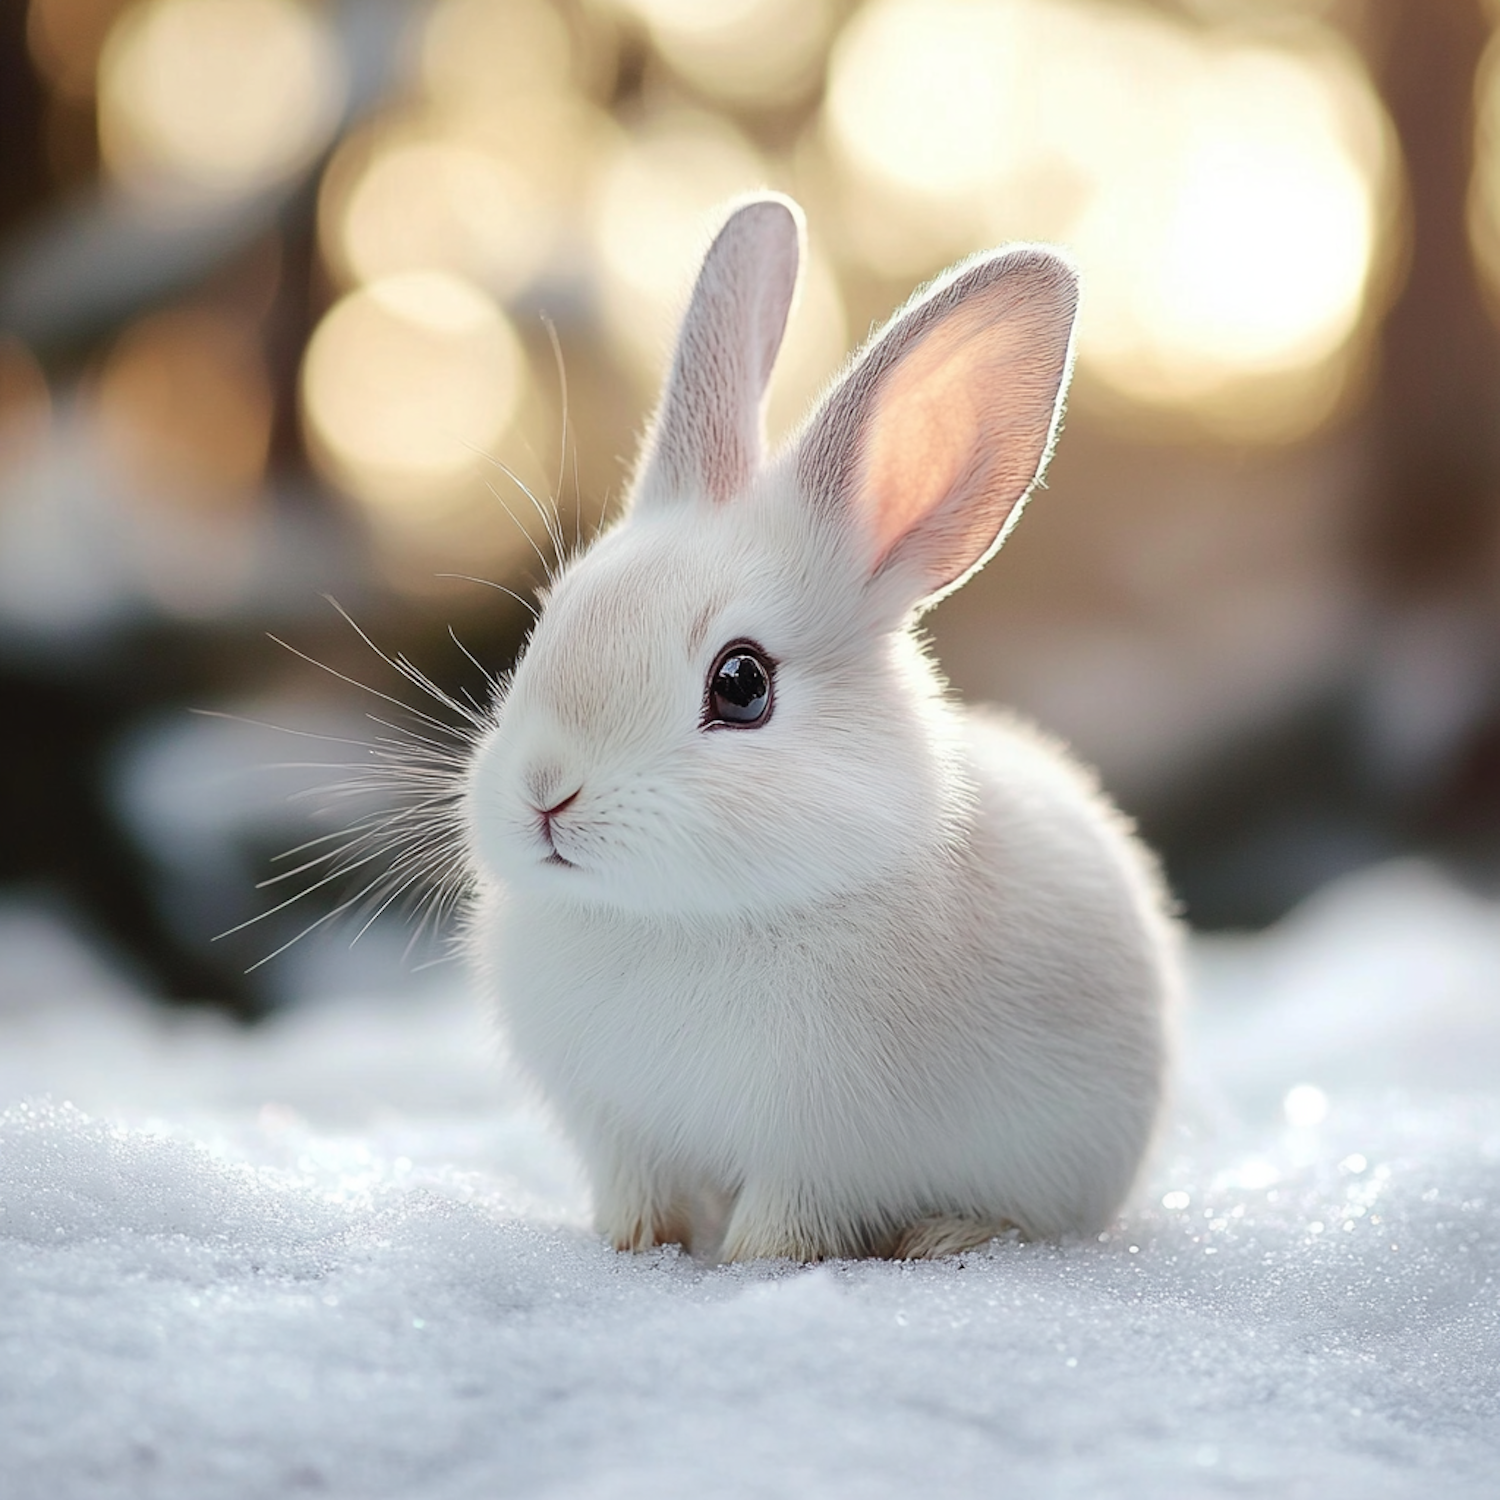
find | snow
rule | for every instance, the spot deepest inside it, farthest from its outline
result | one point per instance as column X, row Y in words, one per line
column 345, row 1256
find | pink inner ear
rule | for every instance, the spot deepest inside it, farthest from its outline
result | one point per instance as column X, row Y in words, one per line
column 958, row 430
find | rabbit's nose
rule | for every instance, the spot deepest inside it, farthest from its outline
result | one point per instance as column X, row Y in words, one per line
column 548, row 813
column 542, row 783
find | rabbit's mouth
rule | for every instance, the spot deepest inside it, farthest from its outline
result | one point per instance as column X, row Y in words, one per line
column 547, row 815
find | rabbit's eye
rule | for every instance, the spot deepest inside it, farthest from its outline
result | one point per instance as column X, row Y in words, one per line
column 739, row 688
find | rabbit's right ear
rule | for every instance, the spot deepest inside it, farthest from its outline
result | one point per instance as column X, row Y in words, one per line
column 708, row 433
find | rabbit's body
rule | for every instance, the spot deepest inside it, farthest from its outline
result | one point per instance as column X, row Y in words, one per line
column 808, row 960
column 915, row 1049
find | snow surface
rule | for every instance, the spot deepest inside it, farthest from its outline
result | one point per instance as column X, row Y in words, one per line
column 344, row 1256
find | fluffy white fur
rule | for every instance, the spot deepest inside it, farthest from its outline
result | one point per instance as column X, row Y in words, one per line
column 882, row 975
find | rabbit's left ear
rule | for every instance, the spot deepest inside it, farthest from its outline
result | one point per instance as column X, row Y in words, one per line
column 709, row 430
column 931, row 443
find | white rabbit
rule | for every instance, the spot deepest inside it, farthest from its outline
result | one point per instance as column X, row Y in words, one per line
column 808, row 959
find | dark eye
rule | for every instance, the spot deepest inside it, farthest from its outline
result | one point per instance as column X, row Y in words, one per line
column 739, row 688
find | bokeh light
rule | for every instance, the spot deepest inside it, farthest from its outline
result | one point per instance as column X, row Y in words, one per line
column 1262, row 252
column 216, row 98
column 925, row 93
column 659, row 199
column 407, row 385
column 474, row 53
column 1225, row 195
column 421, row 199
column 749, row 52
column 816, row 342
column 480, row 173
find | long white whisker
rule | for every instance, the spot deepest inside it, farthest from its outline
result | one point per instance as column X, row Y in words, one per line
column 400, row 664
column 577, row 504
column 328, row 916
column 292, row 900
column 550, row 520
column 499, row 588
column 357, row 843
column 411, row 776
column 405, row 885
column 491, row 681
column 407, row 732
column 306, row 734
column 515, row 520
column 447, row 891
column 312, row 661
column 563, row 447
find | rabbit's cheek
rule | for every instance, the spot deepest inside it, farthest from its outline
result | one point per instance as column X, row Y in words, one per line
column 502, row 829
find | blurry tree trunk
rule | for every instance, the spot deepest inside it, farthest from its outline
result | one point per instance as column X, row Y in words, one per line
column 23, row 180
column 1430, row 751
column 1436, row 502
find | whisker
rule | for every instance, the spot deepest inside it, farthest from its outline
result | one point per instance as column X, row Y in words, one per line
column 365, row 687
column 307, row 734
column 405, row 885
column 479, row 666
column 531, row 540
column 551, row 521
column 328, row 916
column 447, row 891
column 563, row 446
column 300, row 895
column 414, row 735
column 402, row 796
column 361, row 838
column 577, row 504
column 499, row 588
column 399, row 663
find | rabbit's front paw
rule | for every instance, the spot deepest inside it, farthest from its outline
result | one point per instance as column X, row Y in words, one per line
column 770, row 1225
column 644, row 1229
column 948, row 1234
column 637, row 1208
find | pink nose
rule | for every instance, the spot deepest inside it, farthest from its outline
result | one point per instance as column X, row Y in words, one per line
column 551, row 812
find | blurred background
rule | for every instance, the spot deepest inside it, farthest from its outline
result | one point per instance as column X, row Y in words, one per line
column 294, row 296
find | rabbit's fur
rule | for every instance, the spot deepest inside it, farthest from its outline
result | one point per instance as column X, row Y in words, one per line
column 878, row 975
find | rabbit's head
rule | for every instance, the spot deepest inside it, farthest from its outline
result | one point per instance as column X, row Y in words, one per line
column 723, row 707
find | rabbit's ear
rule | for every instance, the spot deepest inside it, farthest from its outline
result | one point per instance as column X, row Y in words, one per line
column 935, row 437
column 708, row 432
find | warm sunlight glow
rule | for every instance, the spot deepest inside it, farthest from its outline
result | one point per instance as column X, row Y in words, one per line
column 817, row 339
column 922, row 93
column 425, row 201
column 216, row 97
column 407, row 384
column 1224, row 196
column 1258, row 256
column 659, row 201
column 474, row 52
column 758, row 52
